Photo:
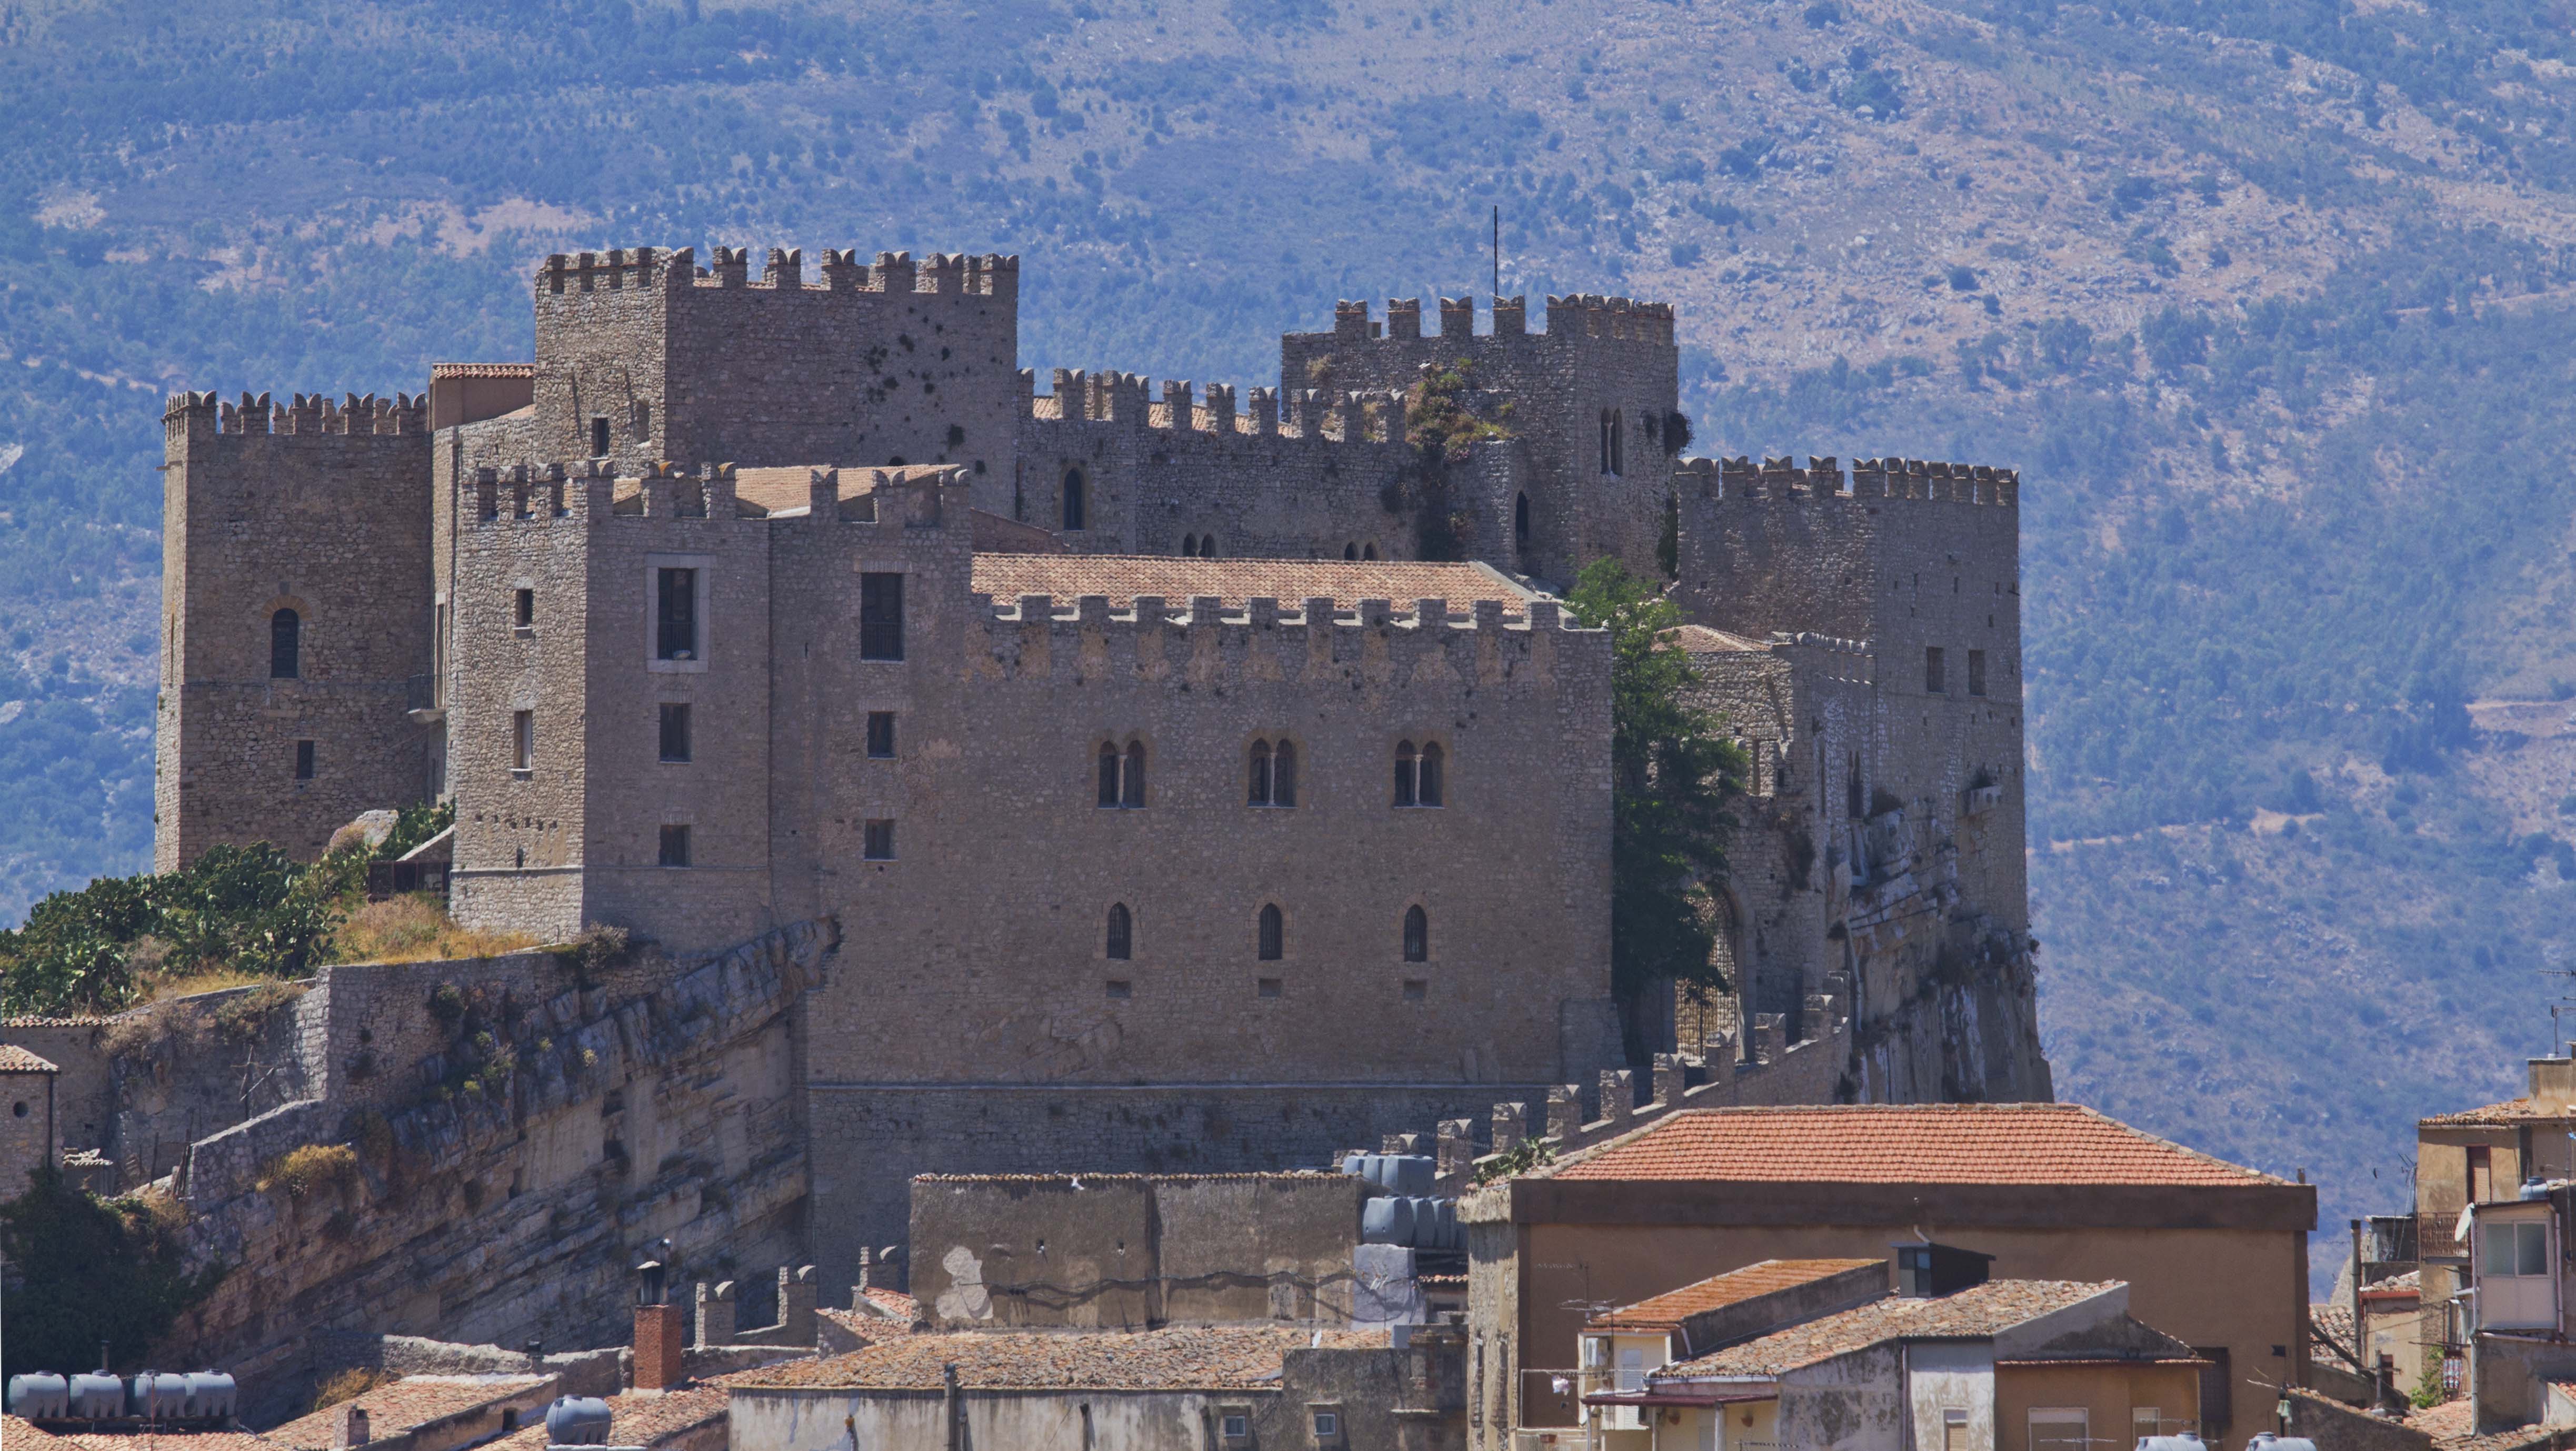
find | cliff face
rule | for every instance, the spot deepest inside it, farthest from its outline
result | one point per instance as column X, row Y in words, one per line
column 493, row 1146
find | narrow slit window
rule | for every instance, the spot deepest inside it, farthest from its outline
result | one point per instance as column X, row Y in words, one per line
column 1934, row 681
column 1976, row 672
column 675, row 846
column 1121, row 937
column 675, row 614
column 599, row 437
column 877, row 844
column 1109, row 760
column 1520, row 523
column 285, row 645
column 303, row 760
column 1417, row 935
column 523, row 740
column 1131, row 784
column 1273, row 934
column 1428, row 783
column 523, row 607
column 1258, row 792
column 880, row 616
column 1283, row 775
column 675, row 732
column 1075, row 505
column 1407, row 776
column 881, row 735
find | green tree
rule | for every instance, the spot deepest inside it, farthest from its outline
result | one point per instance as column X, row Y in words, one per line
column 84, row 1269
column 1671, row 775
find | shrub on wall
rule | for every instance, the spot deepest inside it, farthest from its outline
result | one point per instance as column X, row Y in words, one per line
column 84, row 1269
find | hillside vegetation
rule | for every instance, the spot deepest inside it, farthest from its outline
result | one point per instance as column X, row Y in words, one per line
column 2270, row 301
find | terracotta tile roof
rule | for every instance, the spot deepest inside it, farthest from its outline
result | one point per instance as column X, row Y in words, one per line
column 2510, row 1112
column 1229, row 1357
column 2411, row 1282
column 14, row 1059
column 15, row 1433
column 156, row 1441
column 1717, row 1291
column 895, row 1302
column 640, row 1418
column 414, row 1400
column 2453, row 1427
column 1701, row 640
column 1968, row 1143
column 72, row 1022
column 482, row 370
column 1122, row 577
column 1986, row 1309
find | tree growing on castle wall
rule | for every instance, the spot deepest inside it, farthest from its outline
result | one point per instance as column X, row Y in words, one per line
column 1671, row 775
column 1444, row 414
column 84, row 1269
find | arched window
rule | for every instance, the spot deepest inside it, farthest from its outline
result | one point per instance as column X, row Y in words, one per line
column 1131, row 788
column 1427, row 786
column 1073, row 500
column 285, row 645
column 1122, row 933
column 1350, row 551
column 1207, row 546
column 1368, row 551
column 1109, row 773
column 1520, row 523
column 1405, row 778
column 1274, row 934
column 1257, row 791
column 1605, row 440
column 1417, row 935
column 1283, row 775
column 895, row 461
column 1618, row 442
column 1189, row 546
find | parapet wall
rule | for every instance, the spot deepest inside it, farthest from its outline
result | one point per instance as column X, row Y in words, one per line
column 308, row 413
column 620, row 268
column 1822, row 478
column 1585, row 315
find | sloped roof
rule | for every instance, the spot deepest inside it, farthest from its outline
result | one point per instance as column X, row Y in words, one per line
column 14, row 1059
column 1224, row 1357
column 2500, row 1115
column 1718, row 1291
column 643, row 1418
column 1985, row 1143
column 1987, row 1309
column 1702, row 640
column 415, row 1400
column 1122, row 577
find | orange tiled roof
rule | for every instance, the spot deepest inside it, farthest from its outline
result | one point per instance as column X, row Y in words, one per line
column 14, row 1059
column 150, row 1440
column 15, row 1433
column 1717, row 1291
column 1986, row 1309
column 1963, row 1143
column 2511, row 1111
column 1905, row 1143
column 45, row 1022
column 644, row 1418
column 482, row 370
column 1227, row 1357
column 414, row 1400
column 1122, row 577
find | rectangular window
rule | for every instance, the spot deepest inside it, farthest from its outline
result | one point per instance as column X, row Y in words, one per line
column 675, row 732
column 2146, row 1421
column 2054, row 1428
column 881, row 735
column 1268, row 987
column 1933, row 683
column 1976, row 672
column 599, row 438
column 523, row 740
column 675, row 846
column 1328, row 1424
column 2513, row 1250
column 524, row 609
column 879, row 843
column 1632, row 1370
column 1416, row 989
column 1121, row 988
column 675, row 614
column 880, row 617
column 2481, row 1174
column 1954, row 1431
column 303, row 760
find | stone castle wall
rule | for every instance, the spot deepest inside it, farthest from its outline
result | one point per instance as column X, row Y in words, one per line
column 318, row 508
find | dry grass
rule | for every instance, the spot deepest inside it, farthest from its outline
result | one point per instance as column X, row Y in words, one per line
column 300, row 1172
column 415, row 928
column 205, row 980
column 348, row 1385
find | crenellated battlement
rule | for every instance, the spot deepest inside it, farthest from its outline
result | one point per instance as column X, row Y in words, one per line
column 1207, row 640
column 956, row 273
column 1108, row 396
column 309, row 413
column 1584, row 315
column 1822, row 478
column 587, row 490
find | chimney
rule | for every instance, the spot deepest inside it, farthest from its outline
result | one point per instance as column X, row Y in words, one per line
column 2553, row 1081
column 349, row 1428
column 661, row 1332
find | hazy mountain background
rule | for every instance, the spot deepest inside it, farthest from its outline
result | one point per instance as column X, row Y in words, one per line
column 2270, row 302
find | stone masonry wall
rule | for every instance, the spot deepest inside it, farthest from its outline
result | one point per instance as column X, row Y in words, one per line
column 318, row 508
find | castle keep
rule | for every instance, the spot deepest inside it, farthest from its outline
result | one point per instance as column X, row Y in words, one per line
column 1199, row 780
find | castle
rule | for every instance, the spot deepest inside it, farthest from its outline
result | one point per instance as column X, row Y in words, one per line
column 1174, row 809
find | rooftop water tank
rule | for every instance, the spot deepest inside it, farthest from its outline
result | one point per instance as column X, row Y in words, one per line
column 158, row 1397
column 96, row 1396
column 212, row 1396
column 578, row 1421
column 39, row 1396
column 2184, row 1442
column 1386, row 1221
column 2266, row 1441
column 2534, row 1187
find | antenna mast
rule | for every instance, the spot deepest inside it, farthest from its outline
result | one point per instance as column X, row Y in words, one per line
column 1498, row 250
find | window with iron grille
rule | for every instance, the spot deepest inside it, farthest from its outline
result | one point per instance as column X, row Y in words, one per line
column 880, row 616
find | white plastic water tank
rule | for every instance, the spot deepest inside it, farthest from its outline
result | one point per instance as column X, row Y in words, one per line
column 578, row 1421
column 96, row 1397
column 39, row 1396
column 158, row 1397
